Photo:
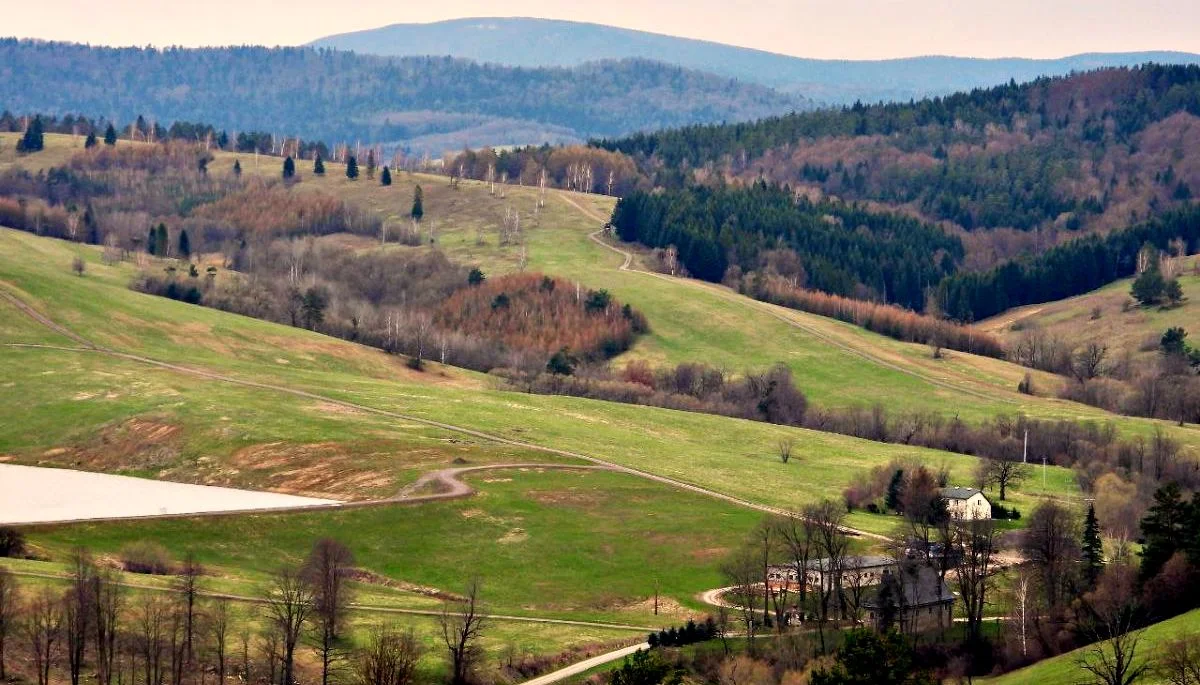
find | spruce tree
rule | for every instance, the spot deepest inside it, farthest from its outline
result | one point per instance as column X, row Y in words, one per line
column 1148, row 288
column 152, row 242
column 418, row 206
column 237, row 167
column 1092, row 548
column 110, row 135
column 289, row 168
column 33, row 140
column 163, row 241
column 351, row 167
column 185, row 245
column 385, row 177
column 90, row 142
column 90, row 228
column 319, row 166
column 892, row 500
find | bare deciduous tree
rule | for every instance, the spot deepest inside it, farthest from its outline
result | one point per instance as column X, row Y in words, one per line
column 78, row 611
column 107, row 602
column 389, row 658
column 327, row 569
column 973, row 543
column 742, row 574
column 218, row 619
column 41, row 628
column 1112, row 623
column 462, row 623
column 289, row 603
column 187, row 584
column 8, row 613
column 1178, row 661
column 832, row 544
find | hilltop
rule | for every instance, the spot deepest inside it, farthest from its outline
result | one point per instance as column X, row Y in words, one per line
column 529, row 42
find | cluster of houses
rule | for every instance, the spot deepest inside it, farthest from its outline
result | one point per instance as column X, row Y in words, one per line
column 882, row 591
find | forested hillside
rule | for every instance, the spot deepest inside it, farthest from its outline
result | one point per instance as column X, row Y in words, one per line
column 1015, row 168
column 843, row 249
column 431, row 103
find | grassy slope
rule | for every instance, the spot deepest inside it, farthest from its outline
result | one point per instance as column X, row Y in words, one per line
column 1065, row 668
column 732, row 456
column 1137, row 330
column 571, row 544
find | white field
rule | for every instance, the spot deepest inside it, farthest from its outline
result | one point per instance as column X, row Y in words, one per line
column 31, row 494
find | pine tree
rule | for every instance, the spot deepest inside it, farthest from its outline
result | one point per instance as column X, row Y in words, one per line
column 418, row 206
column 110, row 135
column 90, row 228
column 1173, row 292
column 152, row 242
column 33, row 140
column 163, row 241
column 1148, row 288
column 1092, row 548
column 892, row 500
column 237, row 167
column 385, row 177
column 351, row 167
column 319, row 166
column 90, row 142
column 289, row 168
column 185, row 245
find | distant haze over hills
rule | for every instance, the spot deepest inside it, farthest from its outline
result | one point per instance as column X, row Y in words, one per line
column 546, row 42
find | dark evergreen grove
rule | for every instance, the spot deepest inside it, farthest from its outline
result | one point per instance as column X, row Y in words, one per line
column 1070, row 269
column 845, row 249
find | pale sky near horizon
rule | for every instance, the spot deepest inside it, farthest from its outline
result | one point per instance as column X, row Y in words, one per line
column 850, row 29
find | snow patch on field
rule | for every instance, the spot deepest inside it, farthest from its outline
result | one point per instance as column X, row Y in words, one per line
column 31, row 494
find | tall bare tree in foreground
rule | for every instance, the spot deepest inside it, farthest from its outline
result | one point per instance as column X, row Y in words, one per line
column 8, row 613
column 187, row 584
column 389, row 658
column 742, row 575
column 1112, row 620
column 289, row 602
column 327, row 571
column 973, row 542
column 107, row 602
column 832, row 546
column 78, row 611
column 218, row 619
column 41, row 628
column 462, row 624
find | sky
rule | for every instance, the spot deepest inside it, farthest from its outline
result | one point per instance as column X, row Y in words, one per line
column 847, row 29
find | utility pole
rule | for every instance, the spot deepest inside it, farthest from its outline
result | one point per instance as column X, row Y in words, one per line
column 1025, row 455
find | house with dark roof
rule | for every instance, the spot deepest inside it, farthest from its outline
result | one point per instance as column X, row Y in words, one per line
column 967, row 504
column 912, row 598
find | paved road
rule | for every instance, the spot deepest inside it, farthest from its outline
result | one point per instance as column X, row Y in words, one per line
column 586, row 664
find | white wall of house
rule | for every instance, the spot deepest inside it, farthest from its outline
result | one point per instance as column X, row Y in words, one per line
column 975, row 507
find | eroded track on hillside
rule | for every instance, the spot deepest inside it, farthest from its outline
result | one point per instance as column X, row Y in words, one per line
column 90, row 347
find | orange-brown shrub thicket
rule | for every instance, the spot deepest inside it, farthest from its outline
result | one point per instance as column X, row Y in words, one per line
column 151, row 158
column 534, row 311
column 266, row 209
column 885, row 319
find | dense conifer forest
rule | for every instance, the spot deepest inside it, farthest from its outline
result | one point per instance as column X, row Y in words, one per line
column 844, row 248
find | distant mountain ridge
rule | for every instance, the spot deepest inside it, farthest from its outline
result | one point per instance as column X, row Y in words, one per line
column 431, row 104
column 547, row 42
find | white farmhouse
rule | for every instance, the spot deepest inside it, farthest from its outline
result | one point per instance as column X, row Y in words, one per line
column 967, row 504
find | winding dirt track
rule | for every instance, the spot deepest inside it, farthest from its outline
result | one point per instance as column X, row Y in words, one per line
column 211, row 375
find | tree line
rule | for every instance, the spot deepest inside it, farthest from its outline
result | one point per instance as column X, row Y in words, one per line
column 846, row 249
column 98, row 629
column 1069, row 269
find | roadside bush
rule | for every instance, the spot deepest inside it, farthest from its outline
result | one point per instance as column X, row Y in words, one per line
column 146, row 557
column 12, row 542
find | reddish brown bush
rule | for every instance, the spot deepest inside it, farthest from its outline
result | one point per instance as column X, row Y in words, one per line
column 533, row 311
